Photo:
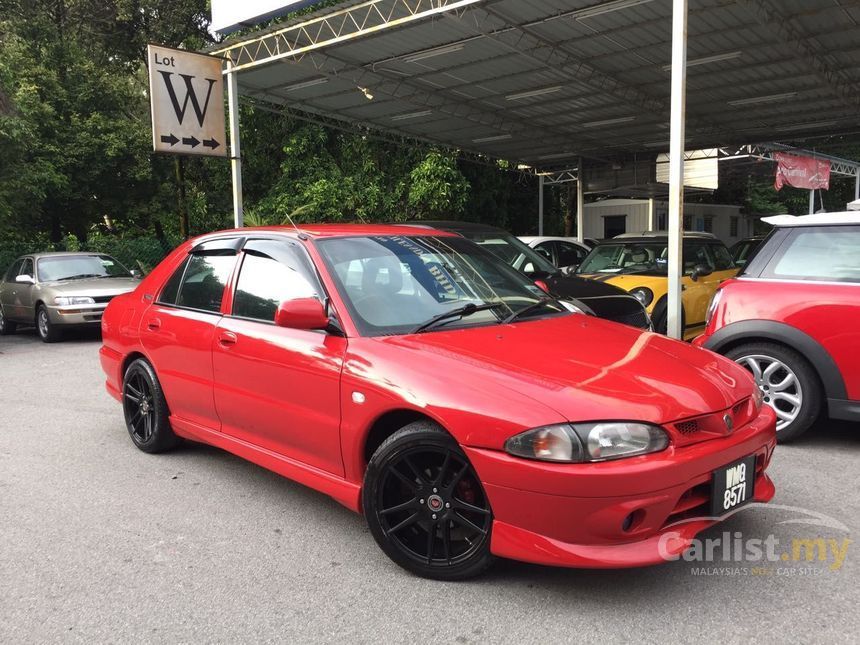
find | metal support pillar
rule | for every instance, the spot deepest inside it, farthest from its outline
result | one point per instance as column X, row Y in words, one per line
column 580, row 209
column 652, row 219
column 857, row 186
column 812, row 202
column 540, row 204
column 235, row 144
column 676, row 166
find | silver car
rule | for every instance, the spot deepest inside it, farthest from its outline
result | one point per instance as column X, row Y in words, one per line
column 56, row 290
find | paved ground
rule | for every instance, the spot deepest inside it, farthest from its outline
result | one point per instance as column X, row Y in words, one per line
column 100, row 542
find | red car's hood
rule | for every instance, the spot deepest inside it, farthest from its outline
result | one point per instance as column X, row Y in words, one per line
column 589, row 369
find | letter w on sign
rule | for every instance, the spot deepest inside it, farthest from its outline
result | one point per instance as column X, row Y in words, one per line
column 187, row 99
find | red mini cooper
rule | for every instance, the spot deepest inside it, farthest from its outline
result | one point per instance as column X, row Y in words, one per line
column 416, row 378
column 792, row 318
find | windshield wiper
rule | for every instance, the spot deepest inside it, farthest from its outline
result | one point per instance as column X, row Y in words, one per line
column 525, row 310
column 80, row 276
column 459, row 312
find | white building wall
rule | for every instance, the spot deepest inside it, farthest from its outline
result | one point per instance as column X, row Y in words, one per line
column 636, row 212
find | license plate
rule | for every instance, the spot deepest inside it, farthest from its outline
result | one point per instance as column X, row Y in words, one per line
column 733, row 486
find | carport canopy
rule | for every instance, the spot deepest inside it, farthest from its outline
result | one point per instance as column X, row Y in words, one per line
column 546, row 83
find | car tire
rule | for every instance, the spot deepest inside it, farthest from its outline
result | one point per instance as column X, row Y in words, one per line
column 425, row 505
column 660, row 318
column 788, row 382
column 147, row 417
column 48, row 331
column 7, row 327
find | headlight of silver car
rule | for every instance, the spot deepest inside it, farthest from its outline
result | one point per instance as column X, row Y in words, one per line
column 643, row 295
column 65, row 301
column 576, row 443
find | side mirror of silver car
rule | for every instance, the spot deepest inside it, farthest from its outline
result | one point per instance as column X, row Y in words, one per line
column 25, row 279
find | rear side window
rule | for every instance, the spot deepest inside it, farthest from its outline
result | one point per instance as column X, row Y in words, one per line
column 272, row 272
column 830, row 253
column 171, row 289
column 569, row 255
column 204, row 281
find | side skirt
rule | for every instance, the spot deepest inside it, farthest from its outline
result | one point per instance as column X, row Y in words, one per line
column 342, row 491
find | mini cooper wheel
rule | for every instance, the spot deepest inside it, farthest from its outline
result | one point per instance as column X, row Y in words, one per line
column 146, row 414
column 7, row 327
column 425, row 505
column 48, row 331
column 787, row 382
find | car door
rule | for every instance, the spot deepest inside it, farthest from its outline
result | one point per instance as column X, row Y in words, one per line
column 178, row 329
column 278, row 388
column 24, row 309
column 8, row 288
column 697, row 293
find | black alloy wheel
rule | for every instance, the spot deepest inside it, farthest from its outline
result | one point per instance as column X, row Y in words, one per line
column 145, row 409
column 425, row 505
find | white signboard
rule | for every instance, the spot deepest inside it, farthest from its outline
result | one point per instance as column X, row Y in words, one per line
column 229, row 15
column 186, row 92
column 701, row 169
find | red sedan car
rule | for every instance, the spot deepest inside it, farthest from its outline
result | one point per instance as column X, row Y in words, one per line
column 414, row 377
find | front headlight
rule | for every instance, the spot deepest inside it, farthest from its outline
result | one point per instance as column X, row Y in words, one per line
column 578, row 443
column 643, row 295
column 73, row 300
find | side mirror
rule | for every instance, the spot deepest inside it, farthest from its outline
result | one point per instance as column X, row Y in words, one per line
column 302, row 313
column 701, row 271
column 570, row 270
column 135, row 273
column 25, row 279
column 540, row 284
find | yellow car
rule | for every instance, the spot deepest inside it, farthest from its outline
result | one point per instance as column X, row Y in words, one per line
column 639, row 265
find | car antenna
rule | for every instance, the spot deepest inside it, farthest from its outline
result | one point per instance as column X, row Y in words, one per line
column 298, row 211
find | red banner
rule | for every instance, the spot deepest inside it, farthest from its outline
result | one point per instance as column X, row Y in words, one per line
column 801, row 172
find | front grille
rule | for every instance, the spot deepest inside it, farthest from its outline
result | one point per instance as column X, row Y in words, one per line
column 103, row 299
column 636, row 319
column 687, row 427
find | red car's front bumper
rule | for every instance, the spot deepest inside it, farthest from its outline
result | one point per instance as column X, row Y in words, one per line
column 626, row 513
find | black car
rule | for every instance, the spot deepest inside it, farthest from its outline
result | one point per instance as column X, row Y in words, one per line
column 743, row 251
column 603, row 300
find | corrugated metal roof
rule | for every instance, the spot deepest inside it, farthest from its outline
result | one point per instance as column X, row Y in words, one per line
column 542, row 82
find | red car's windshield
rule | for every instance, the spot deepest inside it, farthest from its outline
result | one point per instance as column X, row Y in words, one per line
column 396, row 284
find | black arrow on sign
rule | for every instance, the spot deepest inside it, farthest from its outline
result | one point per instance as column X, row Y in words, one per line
column 172, row 140
column 210, row 143
column 191, row 141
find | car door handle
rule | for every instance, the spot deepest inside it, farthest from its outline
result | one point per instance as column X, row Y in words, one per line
column 154, row 324
column 227, row 338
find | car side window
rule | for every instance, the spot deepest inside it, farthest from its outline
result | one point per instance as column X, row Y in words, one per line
column 722, row 258
column 545, row 249
column 26, row 268
column 569, row 254
column 171, row 288
column 272, row 272
column 204, row 280
column 694, row 255
column 829, row 253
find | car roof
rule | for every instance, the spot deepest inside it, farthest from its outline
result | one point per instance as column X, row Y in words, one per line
column 334, row 230
column 454, row 225
column 59, row 254
column 819, row 219
column 658, row 238
column 528, row 239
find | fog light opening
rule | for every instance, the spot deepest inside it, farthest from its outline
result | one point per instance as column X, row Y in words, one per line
column 633, row 521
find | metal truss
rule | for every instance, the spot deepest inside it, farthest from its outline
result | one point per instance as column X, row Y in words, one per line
column 838, row 166
column 559, row 176
column 297, row 40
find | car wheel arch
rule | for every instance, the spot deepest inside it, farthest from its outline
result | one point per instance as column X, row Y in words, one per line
column 750, row 331
column 386, row 425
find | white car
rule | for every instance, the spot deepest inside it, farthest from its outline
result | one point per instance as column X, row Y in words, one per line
column 564, row 252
